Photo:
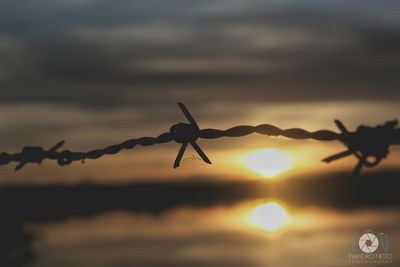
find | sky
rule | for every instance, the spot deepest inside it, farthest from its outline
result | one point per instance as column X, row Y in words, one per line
column 95, row 73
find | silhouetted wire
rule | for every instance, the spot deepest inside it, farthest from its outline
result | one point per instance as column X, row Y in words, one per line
column 368, row 144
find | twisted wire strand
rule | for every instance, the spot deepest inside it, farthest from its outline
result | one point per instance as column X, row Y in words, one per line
column 365, row 142
column 66, row 157
column 270, row 130
column 69, row 156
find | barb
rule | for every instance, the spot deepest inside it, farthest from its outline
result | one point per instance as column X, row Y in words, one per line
column 368, row 144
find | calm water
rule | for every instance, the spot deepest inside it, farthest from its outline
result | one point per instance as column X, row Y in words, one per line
column 253, row 233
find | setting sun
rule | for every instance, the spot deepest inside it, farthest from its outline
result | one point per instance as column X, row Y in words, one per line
column 270, row 217
column 268, row 162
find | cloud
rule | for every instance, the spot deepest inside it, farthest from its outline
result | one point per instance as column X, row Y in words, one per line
column 97, row 53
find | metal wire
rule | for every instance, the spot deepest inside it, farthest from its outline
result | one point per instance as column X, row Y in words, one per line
column 368, row 144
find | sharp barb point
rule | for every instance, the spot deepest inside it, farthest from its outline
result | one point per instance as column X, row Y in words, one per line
column 337, row 156
column 341, row 126
column 200, row 152
column 57, row 146
column 187, row 114
column 180, row 155
column 358, row 167
column 20, row 166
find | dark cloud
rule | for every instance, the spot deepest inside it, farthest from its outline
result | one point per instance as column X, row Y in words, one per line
column 103, row 54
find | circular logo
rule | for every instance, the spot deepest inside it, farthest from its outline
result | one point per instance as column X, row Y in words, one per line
column 368, row 243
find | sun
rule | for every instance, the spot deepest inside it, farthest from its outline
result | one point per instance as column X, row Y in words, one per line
column 268, row 162
column 269, row 217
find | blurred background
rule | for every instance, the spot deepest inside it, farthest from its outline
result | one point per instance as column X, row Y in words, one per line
column 96, row 73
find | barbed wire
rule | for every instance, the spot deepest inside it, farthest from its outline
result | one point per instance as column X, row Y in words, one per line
column 368, row 144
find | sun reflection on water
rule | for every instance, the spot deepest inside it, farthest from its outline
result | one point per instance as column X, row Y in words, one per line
column 270, row 217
